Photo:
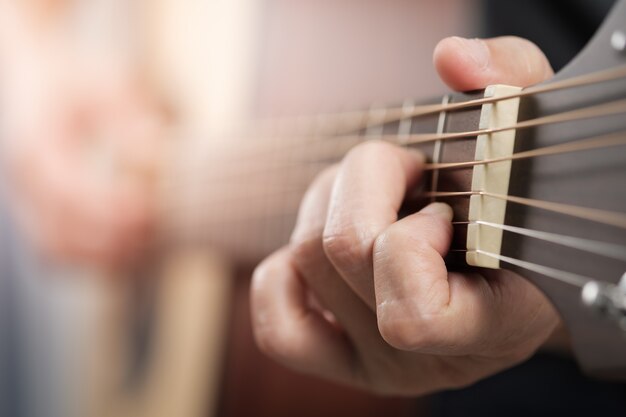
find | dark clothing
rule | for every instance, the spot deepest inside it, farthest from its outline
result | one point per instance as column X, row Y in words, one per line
column 8, row 350
column 545, row 385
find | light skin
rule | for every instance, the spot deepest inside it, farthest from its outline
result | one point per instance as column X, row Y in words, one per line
column 79, row 144
column 364, row 298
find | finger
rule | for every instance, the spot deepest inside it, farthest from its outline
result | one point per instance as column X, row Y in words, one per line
column 316, row 270
column 422, row 307
column 288, row 329
column 471, row 64
column 314, row 207
column 371, row 184
column 375, row 364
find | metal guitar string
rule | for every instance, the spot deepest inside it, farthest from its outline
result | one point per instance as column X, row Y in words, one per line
column 563, row 276
column 552, row 273
column 403, row 139
column 336, row 152
column 598, row 142
column 333, row 131
column 605, row 109
column 587, row 112
column 613, row 139
column 610, row 218
column 608, row 250
column 398, row 113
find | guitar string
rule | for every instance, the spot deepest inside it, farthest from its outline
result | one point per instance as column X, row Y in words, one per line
column 600, row 216
column 616, row 219
column 566, row 147
column 598, row 142
column 610, row 218
column 605, row 109
column 566, row 277
column 296, row 187
column 394, row 114
column 336, row 153
column 596, row 77
column 601, row 110
column 609, row 250
column 592, row 78
column 597, row 247
column 557, row 274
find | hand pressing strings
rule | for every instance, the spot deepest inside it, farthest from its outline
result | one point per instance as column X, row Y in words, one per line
column 392, row 318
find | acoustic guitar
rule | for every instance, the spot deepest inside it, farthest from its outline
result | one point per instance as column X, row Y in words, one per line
column 536, row 177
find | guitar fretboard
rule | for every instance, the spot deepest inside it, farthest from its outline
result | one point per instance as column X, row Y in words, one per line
column 242, row 193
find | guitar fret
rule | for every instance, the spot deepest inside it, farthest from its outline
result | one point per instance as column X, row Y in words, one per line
column 375, row 122
column 406, row 123
column 441, row 122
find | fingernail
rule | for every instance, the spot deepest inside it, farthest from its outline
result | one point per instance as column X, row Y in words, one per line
column 477, row 50
column 438, row 209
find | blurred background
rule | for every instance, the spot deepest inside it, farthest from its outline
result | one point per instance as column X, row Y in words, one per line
column 132, row 214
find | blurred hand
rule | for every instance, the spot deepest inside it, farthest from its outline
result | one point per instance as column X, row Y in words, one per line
column 363, row 298
column 80, row 145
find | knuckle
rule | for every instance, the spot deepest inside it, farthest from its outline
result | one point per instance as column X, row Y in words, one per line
column 345, row 248
column 273, row 341
column 271, row 333
column 398, row 334
column 391, row 238
column 403, row 331
column 261, row 274
column 277, row 341
column 307, row 252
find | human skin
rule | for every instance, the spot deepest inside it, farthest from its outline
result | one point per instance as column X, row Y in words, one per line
column 364, row 298
column 78, row 143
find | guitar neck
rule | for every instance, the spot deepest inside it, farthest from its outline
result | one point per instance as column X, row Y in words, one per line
column 241, row 194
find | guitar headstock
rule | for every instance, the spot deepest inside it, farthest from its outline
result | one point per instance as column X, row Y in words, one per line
column 591, row 252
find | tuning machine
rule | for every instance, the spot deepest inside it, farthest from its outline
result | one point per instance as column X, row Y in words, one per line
column 607, row 299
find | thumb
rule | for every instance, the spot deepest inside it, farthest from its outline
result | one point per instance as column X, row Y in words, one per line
column 471, row 64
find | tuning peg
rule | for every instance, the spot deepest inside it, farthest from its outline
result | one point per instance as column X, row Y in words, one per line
column 607, row 299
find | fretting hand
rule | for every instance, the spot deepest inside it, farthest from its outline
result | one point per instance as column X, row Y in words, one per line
column 363, row 298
